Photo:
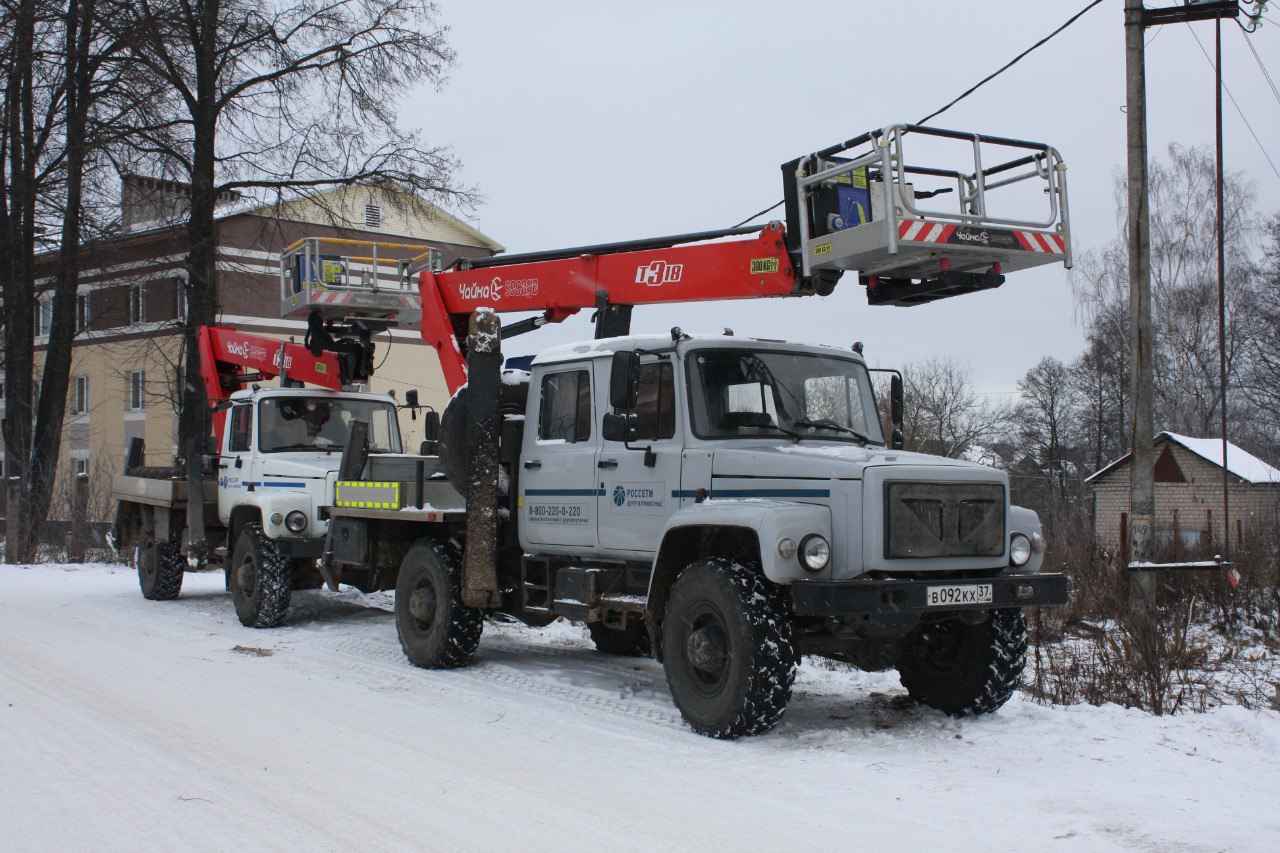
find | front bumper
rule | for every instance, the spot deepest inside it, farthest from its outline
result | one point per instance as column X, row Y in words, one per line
column 880, row 596
column 301, row 547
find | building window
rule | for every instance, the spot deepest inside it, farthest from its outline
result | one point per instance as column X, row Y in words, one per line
column 82, row 312
column 372, row 215
column 80, row 396
column 137, row 390
column 137, row 305
column 80, row 467
column 44, row 315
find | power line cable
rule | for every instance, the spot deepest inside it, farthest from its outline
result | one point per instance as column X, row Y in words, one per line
column 1261, row 67
column 1227, row 89
column 1012, row 62
column 975, row 87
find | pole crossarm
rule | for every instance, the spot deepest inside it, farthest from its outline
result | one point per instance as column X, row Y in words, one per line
column 1190, row 12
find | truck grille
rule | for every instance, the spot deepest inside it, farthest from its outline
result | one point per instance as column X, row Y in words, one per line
column 944, row 520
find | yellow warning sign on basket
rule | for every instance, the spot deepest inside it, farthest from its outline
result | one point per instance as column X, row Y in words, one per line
column 857, row 178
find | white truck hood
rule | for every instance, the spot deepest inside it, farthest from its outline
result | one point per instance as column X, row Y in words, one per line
column 841, row 460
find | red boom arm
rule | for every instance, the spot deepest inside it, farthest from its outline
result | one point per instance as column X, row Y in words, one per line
column 704, row 272
column 230, row 360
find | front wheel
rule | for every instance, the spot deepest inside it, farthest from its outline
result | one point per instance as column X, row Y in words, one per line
column 436, row 630
column 261, row 579
column 160, row 568
column 728, row 650
column 964, row 669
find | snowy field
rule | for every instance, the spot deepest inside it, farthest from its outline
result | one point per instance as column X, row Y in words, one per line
column 132, row 725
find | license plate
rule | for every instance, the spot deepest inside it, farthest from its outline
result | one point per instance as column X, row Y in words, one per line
column 955, row 594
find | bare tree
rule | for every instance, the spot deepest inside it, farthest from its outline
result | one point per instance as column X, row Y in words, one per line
column 66, row 97
column 947, row 416
column 1184, row 288
column 284, row 96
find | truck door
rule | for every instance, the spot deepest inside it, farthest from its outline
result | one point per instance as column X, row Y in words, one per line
column 236, row 461
column 558, row 460
column 635, row 498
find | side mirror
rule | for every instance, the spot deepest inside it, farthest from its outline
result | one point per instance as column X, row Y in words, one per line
column 896, row 400
column 614, row 427
column 624, row 381
column 431, row 425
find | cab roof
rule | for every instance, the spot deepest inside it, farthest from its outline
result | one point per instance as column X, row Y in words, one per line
column 606, row 347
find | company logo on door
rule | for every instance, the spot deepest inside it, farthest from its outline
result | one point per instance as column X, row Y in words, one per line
column 496, row 288
column 658, row 273
column 639, row 498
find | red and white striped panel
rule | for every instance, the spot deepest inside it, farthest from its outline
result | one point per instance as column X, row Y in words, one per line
column 919, row 231
column 1038, row 241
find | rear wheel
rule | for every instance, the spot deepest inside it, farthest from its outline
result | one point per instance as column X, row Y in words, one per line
column 160, row 568
column 728, row 650
column 436, row 630
column 631, row 640
column 261, row 579
column 964, row 669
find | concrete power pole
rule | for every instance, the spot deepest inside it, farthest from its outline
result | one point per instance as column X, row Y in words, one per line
column 1142, row 488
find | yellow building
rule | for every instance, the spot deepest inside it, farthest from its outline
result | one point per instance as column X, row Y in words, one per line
column 130, row 307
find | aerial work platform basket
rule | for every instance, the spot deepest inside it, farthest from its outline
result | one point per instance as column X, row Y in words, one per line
column 862, row 206
column 354, row 280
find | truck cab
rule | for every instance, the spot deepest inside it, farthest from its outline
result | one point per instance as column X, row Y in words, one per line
column 281, row 450
column 782, row 441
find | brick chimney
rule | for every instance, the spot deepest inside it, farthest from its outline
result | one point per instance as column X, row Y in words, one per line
column 157, row 200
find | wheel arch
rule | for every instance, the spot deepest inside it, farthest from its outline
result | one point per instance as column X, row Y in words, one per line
column 687, row 544
column 240, row 516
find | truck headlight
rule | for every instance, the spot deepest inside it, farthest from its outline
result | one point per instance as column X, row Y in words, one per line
column 1019, row 549
column 296, row 521
column 815, row 552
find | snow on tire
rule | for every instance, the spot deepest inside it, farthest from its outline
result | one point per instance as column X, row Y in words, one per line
column 436, row 630
column 261, row 579
column 966, row 669
column 728, row 649
column 160, row 569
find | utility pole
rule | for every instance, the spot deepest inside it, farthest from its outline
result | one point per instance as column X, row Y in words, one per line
column 1222, row 296
column 1142, row 490
column 1142, row 487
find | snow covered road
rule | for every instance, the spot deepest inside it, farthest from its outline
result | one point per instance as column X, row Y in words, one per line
column 128, row 724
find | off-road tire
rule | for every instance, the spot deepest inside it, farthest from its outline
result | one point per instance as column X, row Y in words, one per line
column 631, row 641
column 728, row 649
column 261, row 579
column 514, row 396
column 436, row 630
column 160, row 568
column 965, row 669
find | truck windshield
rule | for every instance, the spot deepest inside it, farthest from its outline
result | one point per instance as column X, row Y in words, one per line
column 746, row 394
column 323, row 424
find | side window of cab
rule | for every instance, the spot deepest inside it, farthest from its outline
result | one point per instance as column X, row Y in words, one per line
column 564, row 413
column 241, row 424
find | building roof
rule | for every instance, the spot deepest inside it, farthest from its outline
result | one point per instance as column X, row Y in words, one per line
column 1240, row 462
column 424, row 221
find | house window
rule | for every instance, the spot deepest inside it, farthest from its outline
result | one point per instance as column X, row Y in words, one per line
column 80, row 396
column 44, row 316
column 137, row 305
column 372, row 215
column 80, row 467
column 137, row 390
column 82, row 312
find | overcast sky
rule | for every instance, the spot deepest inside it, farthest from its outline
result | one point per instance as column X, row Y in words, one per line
column 584, row 122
